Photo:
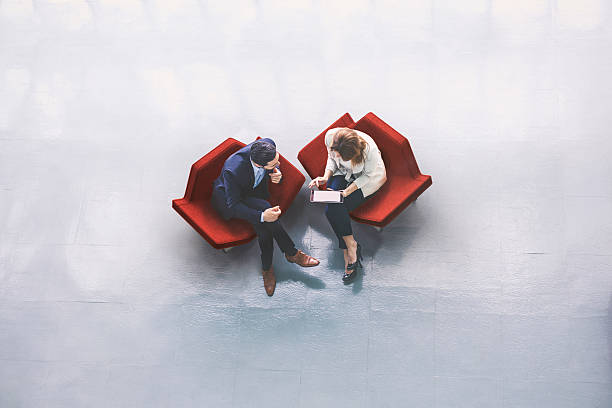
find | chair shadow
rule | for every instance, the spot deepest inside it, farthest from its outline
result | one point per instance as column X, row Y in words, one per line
column 297, row 220
column 296, row 226
column 289, row 272
column 393, row 236
column 370, row 239
column 234, row 260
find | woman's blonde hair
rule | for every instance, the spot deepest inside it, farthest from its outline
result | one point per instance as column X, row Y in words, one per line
column 349, row 145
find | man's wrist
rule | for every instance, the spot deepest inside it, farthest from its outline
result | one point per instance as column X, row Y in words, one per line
column 261, row 218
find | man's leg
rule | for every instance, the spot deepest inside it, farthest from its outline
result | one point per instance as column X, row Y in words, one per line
column 265, row 239
column 282, row 238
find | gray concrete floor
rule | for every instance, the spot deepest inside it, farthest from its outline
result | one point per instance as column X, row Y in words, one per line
column 493, row 290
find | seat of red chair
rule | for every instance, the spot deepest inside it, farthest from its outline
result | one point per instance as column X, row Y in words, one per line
column 389, row 201
column 195, row 207
column 404, row 179
column 217, row 231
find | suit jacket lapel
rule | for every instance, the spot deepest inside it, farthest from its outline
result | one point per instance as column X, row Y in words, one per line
column 251, row 175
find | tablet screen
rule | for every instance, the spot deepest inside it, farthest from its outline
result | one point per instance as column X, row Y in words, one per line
column 326, row 196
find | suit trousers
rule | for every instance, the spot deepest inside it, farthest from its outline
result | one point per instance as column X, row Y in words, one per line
column 267, row 232
column 338, row 213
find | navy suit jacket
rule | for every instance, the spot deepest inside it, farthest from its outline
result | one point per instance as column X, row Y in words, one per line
column 235, row 183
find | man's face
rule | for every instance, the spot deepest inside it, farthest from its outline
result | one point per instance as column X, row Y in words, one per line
column 272, row 163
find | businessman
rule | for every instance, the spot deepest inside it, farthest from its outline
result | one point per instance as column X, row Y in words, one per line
column 241, row 191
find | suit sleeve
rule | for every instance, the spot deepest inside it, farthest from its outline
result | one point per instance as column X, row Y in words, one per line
column 233, row 199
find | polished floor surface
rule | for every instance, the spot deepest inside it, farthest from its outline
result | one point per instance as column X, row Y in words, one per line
column 493, row 290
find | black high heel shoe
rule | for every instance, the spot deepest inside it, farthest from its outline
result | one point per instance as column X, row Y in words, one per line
column 352, row 267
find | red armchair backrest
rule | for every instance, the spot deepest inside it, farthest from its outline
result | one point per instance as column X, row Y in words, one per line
column 204, row 172
column 394, row 148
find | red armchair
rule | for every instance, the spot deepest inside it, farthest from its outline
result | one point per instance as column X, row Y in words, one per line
column 195, row 207
column 405, row 183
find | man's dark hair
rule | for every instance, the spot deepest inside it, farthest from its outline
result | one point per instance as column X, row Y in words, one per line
column 262, row 152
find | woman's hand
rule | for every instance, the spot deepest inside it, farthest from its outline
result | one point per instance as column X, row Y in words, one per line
column 317, row 182
column 349, row 190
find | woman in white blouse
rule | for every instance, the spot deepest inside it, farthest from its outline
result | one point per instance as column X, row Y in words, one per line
column 354, row 167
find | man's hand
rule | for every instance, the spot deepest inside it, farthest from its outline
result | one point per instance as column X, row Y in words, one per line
column 319, row 181
column 276, row 175
column 271, row 214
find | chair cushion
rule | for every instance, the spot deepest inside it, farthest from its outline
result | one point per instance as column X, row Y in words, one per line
column 209, row 224
column 390, row 200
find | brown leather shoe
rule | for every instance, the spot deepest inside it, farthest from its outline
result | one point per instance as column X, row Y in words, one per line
column 269, row 281
column 302, row 259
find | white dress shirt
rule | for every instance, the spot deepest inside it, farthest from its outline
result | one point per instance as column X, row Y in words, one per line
column 368, row 175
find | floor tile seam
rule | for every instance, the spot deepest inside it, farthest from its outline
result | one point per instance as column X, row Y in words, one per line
column 468, row 377
column 236, row 353
column 269, row 370
column 60, row 301
column 275, row 308
column 606, row 254
column 435, row 342
column 555, row 382
column 523, row 252
column 81, row 213
column 602, row 196
column 332, row 371
column 56, row 361
column 64, row 244
column 299, row 393
column 176, row 364
column 502, row 314
column 368, row 342
column 26, row 360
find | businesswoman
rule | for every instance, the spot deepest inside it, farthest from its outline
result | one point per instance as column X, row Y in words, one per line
column 354, row 167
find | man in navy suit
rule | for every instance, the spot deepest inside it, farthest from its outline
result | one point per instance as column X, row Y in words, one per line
column 241, row 191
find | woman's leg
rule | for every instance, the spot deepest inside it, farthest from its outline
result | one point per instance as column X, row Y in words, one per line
column 340, row 220
column 331, row 210
column 354, row 200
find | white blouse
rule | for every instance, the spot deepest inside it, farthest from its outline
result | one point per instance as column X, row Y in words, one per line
column 368, row 175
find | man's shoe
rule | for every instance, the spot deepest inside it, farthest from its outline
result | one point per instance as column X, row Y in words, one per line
column 269, row 281
column 302, row 259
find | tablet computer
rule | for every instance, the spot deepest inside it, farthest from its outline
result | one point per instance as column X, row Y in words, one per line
column 326, row 196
